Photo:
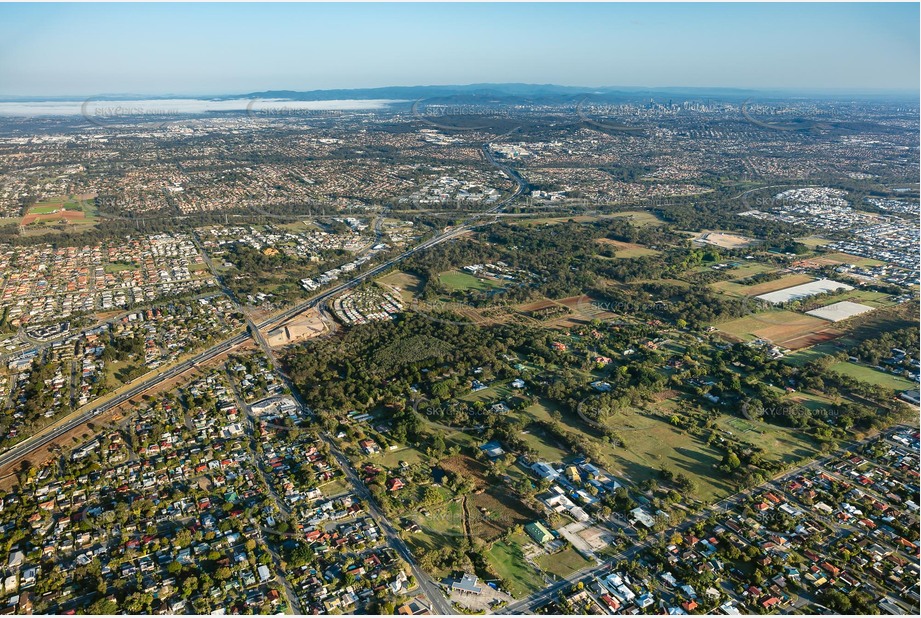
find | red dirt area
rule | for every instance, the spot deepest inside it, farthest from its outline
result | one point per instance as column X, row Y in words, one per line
column 811, row 339
column 72, row 215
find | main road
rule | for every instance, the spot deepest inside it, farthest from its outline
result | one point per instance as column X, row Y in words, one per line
column 254, row 330
column 531, row 603
column 23, row 449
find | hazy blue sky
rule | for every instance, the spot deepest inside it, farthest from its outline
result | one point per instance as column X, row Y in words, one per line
column 66, row 49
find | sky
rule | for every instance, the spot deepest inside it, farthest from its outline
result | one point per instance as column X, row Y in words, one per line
column 210, row 49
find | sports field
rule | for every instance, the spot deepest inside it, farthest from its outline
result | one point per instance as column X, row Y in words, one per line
column 454, row 280
column 70, row 211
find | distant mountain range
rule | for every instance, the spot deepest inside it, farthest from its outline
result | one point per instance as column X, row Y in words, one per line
column 484, row 93
column 495, row 91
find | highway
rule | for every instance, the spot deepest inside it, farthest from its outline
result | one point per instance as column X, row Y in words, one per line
column 51, row 434
column 254, row 331
column 23, row 449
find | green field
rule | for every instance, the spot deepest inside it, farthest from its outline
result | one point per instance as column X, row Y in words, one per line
column 873, row 376
column 779, row 443
column 629, row 251
column 45, row 209
column 651, row 443
column 454, row 280
column 563, row 563
column 864, row 297
column 637, row 217
column 446, row 520
column 409, row 285
column 536, row 439
column 489, row 394
column 117, row 267
column 508, row 561
column 69, row 202
column 392, row 459
column 846, row 258
column 813, row 241
column 801, row 358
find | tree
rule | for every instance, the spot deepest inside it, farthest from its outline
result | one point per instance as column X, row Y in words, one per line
column 732, row 461
column 102, row 606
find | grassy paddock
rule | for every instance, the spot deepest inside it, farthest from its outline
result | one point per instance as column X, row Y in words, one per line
column 508, row 561
column 454, row 280
column 873, row 376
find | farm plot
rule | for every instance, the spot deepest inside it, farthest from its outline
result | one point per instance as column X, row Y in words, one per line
column 784, row 328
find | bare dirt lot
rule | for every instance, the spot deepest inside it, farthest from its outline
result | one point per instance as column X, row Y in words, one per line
column 724, row 240
column 302, row 326
column 482, row 602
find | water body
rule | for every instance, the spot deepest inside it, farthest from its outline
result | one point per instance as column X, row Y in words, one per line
column 102, row 109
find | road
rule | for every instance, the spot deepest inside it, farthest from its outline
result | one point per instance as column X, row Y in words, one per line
column 254, row 330
column 50, row 434
column 24, row 448
column 432, row 590
column 536, row 600
column 258, row 460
